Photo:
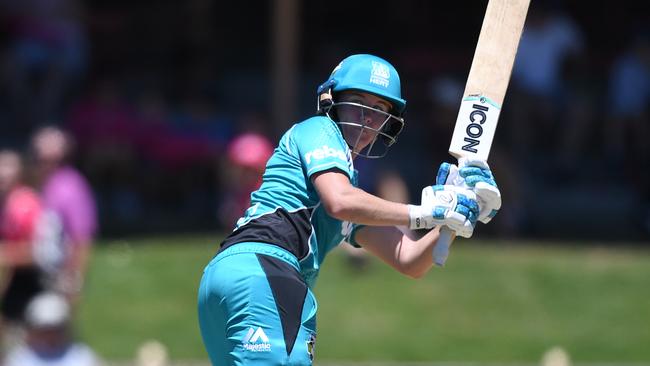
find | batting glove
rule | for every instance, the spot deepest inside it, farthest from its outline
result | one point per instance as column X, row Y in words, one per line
column 474, row 174
column 479, row 177
column 447, row 205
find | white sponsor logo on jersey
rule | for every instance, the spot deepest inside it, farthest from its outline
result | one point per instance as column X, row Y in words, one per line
column 325, row 152
column 380, row 74
column 346, row 228
column 256, row 340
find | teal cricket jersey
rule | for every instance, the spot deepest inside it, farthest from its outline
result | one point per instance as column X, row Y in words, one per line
column 286, row 210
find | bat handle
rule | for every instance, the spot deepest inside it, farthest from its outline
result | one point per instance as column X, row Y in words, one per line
column 441, row 250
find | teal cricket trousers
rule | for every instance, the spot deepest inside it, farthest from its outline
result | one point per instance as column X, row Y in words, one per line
column 255, row 308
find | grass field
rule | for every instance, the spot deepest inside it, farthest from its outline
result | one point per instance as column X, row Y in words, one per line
column 503, row 302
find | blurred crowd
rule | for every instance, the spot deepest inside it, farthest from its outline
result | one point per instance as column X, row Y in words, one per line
column 570, row 149
column 48, row 224
column 109, row 129
column 152, row 113
column 156, row 159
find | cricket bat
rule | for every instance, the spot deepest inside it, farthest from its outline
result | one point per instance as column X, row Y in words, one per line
column 485, row 89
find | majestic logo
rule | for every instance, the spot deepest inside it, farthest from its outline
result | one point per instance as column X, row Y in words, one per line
column 380, row 74
column 325, row 152
column 256, row 341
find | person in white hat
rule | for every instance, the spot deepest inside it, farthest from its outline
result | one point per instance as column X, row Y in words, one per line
column 49, row 341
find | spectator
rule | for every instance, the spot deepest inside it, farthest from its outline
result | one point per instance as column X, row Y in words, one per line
column 105, row 129
column 49, row 338
column 21, row 278
column 550, row 42
column 629, row 98
column 241, row 174
column 198, row 125
column 46, row 56
column 70, row 205
column 627, row 126
column 160, row 153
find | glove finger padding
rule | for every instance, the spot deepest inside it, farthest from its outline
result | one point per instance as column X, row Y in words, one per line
column 473, row 175
column 478, row 176
column 468, row 207
column 479, row 163
column 447, row 174
column 489, row 198
column 465, row 213
column 466, row 230
column 448, row 205
column 461, row 213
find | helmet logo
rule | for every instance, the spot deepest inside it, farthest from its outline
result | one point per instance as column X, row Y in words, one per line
column 380, row 74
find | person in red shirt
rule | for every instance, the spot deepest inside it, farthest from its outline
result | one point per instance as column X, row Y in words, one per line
column 20, row 209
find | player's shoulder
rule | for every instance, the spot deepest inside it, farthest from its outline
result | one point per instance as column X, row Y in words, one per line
column 316, row 123
column 316, row 126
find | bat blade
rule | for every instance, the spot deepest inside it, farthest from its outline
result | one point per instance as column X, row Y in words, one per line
column 485, row 90
column 488, row 78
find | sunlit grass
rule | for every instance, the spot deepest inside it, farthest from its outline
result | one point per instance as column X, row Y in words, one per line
column 493, row 302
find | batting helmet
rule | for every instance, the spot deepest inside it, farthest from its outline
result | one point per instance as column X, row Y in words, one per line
column 366, row 73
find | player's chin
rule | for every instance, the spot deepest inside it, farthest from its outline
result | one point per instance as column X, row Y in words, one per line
column 362, row 146
column 368, row 139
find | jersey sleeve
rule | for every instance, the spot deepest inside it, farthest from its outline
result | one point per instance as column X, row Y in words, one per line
column 322, row 147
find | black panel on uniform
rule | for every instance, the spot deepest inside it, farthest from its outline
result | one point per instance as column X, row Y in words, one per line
column 288, row 230
column 289, row 291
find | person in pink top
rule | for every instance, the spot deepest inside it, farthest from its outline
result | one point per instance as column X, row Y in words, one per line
column 70, row 213
column 244, row 165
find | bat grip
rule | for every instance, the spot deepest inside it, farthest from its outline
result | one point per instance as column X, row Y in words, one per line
column 441, row 250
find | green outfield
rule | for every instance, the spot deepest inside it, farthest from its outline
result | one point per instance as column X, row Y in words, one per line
column 495, row 302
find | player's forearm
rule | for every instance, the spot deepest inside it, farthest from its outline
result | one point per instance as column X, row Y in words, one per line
column 358, row 206
column 408, row 252
column 415, row 251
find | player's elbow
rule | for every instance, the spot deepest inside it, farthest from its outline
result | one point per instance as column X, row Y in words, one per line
column 338, row 210
column 339, row 206
column 415, row 274
column 413, row 270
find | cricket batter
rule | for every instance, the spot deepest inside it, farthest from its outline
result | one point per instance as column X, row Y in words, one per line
column 255, row 302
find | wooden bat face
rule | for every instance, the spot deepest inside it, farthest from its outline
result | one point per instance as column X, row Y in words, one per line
column 475, row 127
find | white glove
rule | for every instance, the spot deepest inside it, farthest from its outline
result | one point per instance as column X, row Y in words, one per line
column 448, row 205
column 476, row 175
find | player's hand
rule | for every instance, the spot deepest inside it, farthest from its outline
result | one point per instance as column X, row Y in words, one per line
column 447, row 205
column 474, row 174
column 448, row 174
column 478, row 176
